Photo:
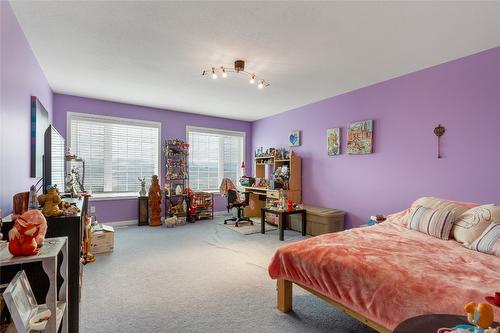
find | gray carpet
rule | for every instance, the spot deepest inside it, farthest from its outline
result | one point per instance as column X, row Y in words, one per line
column 199, row 277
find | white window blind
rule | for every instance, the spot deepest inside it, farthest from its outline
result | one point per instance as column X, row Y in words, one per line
column 213, row 155
column 116, row 151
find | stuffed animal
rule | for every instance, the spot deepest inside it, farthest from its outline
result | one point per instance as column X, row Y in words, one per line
column 479, row 314
column 27, row 234
column 50, row 202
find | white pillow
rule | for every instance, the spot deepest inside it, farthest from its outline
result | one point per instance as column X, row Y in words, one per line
column 471, row 224
column 458, row 208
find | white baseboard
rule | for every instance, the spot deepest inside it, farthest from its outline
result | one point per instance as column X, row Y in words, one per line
column 122, row 223
column 222, row 212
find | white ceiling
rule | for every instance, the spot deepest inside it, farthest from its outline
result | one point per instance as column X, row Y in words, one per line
column 153, row 53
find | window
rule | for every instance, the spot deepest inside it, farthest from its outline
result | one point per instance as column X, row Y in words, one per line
column 213, row 155
column 116, row 152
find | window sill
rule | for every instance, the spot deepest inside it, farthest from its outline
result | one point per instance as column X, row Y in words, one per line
column 215, row 192
column 114, row 196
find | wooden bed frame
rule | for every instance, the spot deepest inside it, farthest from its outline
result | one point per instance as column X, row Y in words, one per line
column 285, row 295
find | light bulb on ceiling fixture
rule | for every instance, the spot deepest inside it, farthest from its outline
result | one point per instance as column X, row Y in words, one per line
column 214, row 75
column 224, row 74
column 252, row 79
column 261, row 84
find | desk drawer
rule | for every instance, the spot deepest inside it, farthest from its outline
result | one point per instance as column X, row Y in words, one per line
column 275, row 194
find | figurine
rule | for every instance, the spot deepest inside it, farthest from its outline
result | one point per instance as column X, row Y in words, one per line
column 33, row 202
column 178, row 190
column 155, row 194
column 27, row 234
column 50, row 202
column 69, row 209
column 88, row 257
column 142, row 193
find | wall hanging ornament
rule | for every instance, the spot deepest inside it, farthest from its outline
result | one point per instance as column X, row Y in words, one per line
column 439, row 131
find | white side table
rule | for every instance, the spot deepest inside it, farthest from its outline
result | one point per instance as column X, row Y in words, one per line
column 47, row 254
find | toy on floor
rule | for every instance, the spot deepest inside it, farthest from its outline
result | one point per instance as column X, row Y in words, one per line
column 480, row 316
column 27, row 234
column 50, row 202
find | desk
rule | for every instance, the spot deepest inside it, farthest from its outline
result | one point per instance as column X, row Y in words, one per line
column 283, row 215
column 259, row 195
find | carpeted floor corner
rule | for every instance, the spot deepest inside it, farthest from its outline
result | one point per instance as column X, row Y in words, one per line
column 200, row 277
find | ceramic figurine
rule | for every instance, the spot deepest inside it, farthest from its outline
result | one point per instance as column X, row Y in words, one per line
column 27, row 234
column 142, row 193
column 178, row 190
column 155, row 195
column 50, row 202
column 33, row 201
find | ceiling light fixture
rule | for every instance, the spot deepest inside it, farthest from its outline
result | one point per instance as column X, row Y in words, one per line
column 239, row 68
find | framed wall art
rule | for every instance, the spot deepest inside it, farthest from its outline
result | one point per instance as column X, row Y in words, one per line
column 360, row 137
column 294, row 139
column 333, row 141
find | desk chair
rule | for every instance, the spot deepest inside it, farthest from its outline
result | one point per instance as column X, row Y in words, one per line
column 233, row 202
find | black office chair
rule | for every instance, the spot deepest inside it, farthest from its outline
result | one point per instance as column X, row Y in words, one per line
column 232, row 202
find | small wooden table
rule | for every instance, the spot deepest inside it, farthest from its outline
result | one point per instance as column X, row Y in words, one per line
column 282, row 219
column 431, row 323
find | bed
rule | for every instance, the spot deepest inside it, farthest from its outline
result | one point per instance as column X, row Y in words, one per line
column 386, row 273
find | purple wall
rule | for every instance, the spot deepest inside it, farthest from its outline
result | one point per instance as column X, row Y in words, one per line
column 173, row 125
column 21, row 77
column 463, row 95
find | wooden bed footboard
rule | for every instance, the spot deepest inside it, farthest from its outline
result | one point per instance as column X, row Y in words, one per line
column 284, row 304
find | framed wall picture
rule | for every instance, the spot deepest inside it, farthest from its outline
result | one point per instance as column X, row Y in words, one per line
column 333, row 141
column 294, row 139
column 360, row 137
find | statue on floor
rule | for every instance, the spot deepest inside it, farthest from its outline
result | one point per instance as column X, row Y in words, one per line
column 155, row 195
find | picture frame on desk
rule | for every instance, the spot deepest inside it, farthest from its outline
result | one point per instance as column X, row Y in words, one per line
column 21, row 302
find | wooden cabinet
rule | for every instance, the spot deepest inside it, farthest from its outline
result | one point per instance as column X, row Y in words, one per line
column 143, row 215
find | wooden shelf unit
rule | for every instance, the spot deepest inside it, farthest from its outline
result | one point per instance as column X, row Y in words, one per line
column 204, row 205
column 294, row 191
column 259, row 195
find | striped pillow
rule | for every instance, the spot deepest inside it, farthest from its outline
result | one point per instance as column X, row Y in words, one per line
column 489, row 241
column 434, row 222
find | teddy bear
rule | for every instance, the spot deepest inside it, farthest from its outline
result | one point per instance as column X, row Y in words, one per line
column 50, row 202
column 27, row 234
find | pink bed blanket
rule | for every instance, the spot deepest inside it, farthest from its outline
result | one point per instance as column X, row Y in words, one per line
column 389, row 273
